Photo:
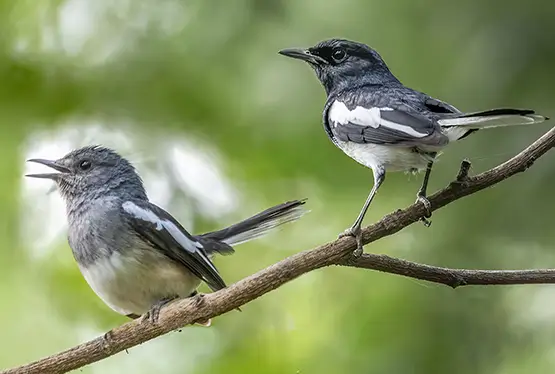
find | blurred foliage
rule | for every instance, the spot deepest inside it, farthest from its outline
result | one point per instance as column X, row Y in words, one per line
column 206, row 75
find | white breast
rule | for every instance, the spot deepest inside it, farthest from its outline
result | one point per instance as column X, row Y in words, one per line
column 392, row 158
column 132, row 283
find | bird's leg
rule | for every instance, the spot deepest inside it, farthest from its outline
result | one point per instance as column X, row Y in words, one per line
column 154, row 312
column 355, row 230
column 421, row 194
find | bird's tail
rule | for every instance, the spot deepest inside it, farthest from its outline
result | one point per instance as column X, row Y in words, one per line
column 459, row 125
column 260, row 224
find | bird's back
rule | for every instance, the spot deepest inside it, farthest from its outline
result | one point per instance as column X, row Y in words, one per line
column 395, row 96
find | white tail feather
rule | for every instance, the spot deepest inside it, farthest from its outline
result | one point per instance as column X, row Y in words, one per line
column 483, row 122
column 457, row 128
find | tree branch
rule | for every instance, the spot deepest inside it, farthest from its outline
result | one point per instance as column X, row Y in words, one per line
column 452, row 277
column 338, row 252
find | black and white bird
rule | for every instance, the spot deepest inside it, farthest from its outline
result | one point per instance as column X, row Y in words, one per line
column 134, row 255
column 382, row 124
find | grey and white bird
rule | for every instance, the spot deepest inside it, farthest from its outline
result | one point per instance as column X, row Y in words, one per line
column 382, row 124
column 134, row 255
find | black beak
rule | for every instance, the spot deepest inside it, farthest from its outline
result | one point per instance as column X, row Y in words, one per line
column 52, row 164
column 303, row 54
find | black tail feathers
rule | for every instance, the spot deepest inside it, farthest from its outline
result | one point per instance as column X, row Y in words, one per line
column 259, row 224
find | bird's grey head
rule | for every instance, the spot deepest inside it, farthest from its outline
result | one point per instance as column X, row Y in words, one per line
column 92, row 172
column 341, row 64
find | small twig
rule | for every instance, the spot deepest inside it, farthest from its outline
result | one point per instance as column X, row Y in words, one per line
column 452, row 277
column 462, row 176
column 187, row 311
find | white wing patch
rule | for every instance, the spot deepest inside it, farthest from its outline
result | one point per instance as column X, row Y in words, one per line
column 143, row 214
column 182, row 239
column 339, row 114
column 185, row 242
column 149, row 216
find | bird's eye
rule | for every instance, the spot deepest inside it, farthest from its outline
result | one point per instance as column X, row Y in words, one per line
column 85, row 165
column 338, row 55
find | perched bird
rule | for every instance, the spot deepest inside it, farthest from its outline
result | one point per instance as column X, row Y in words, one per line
column 134, row 255
column 372, row 117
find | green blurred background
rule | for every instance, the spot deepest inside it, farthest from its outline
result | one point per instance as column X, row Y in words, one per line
column 221, row 127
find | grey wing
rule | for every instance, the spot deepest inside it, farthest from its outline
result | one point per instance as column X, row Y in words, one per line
column 158, row 227
column 394, row 125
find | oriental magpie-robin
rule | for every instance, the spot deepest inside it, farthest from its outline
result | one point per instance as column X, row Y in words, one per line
column 382, row 124
column 134, row 255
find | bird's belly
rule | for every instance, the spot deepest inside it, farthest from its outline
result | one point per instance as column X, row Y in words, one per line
column 392, row 158
column 132, row 283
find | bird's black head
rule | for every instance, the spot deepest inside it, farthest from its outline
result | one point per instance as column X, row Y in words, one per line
column 91, row 172
column 341, row 64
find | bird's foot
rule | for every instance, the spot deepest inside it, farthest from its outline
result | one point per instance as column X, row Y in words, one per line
column 199, row 299
column 154, row 313
column 421, row 198
column 107, row 341
column 355, row 232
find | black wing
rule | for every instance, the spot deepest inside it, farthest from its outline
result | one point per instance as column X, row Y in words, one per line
column 438, row 106
column 158, row 227
column 397, row 123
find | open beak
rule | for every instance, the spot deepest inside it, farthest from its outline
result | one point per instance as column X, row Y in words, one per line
column 303, row 54
column 51, row 164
